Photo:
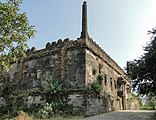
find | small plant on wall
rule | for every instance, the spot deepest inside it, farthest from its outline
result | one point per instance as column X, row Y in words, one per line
column 100, row 78
column 94, row 71
column 94, row 88
column 100, row 68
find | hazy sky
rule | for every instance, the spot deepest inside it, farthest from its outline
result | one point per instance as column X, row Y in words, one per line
column 118, row 26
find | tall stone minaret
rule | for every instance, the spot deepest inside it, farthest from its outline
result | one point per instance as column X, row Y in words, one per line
column 84, row 33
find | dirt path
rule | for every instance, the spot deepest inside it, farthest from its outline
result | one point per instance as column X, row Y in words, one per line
column 125, row 115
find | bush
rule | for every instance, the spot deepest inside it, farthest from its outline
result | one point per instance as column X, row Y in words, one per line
column 50, row 85
column 3, row 108
column 47, row 111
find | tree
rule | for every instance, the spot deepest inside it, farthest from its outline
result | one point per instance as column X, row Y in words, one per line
column 143, row 71
column 14, row 32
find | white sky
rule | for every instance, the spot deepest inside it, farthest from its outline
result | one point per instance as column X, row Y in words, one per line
column 118, row 26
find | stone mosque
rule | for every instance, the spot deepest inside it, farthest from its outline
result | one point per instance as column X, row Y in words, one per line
column 77, row 64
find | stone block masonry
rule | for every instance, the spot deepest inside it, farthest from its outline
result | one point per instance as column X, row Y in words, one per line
column 64, row 60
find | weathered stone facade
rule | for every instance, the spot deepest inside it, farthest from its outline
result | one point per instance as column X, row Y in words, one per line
column 76, row 63
column 65, row 60
column 115, row 82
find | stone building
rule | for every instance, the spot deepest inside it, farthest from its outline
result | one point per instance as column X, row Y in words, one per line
column 77, row 64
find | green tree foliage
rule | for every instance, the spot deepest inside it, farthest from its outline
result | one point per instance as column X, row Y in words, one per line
column 151, row 101
column 143, row 71
column 15, row 31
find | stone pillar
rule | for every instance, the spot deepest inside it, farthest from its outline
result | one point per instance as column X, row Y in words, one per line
column 124, row 95
column 84, row 33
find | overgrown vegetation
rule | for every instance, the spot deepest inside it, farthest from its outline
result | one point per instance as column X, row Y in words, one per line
column 149, row 103
column 50, row 85
column 96, row 86
column 143, row 71
column 55, row 102
column 50, row 89
column 146, row 107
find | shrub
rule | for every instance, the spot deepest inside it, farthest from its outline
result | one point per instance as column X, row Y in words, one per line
column 47, row 111
column 50, row 85
column 3, row 108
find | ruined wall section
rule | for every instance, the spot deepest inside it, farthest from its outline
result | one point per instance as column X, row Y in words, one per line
column 100, row 65
column 98, row 60
column 63, row 60
column 74, row 64
column 98, row 51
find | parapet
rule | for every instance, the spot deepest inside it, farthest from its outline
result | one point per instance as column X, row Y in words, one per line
column 54, row 47
column 57, row 46
column 96, row 49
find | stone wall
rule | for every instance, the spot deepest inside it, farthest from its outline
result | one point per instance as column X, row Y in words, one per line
column 100, row 64
column 89, row 105
column 97, row 50
column 97, row 105
column 64, row 60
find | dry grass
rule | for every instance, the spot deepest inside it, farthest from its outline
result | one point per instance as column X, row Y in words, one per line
column 63, row 118
column 23, row 116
